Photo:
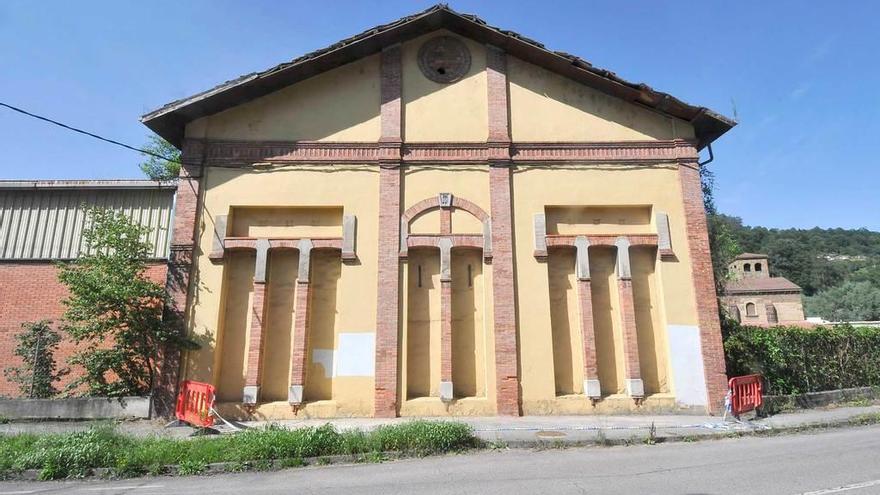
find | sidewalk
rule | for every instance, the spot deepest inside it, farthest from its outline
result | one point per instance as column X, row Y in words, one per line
column 576, row 430
column 529, row 430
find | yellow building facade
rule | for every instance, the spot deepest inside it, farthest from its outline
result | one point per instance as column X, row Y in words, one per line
column 436, row 217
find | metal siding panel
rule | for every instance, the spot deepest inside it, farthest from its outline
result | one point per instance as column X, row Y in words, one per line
column 49, row 224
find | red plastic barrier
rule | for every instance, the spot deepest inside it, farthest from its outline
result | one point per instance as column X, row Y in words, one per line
column 746, row 393
column 194, row 403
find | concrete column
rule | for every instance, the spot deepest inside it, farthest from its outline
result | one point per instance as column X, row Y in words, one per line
column 253, row 378
column 299, row 358
column 634, row 385
column 592, row 388
column 445, row 319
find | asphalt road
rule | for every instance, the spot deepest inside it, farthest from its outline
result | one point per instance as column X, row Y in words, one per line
column 843, row 461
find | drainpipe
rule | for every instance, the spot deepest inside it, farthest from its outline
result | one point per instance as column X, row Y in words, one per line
column 711, row 156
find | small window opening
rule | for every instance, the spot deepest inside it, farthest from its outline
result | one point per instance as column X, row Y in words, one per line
column 420, row 277
column 441, row 70
column 747, row 267
column 758, row 267
column 470, row 276
column 751, row 310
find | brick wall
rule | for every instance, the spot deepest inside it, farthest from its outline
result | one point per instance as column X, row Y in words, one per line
column 30, row 291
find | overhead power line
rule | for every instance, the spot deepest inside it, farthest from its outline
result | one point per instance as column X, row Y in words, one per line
column 87, row 133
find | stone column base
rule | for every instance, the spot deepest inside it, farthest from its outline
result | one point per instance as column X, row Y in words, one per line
column 592, row 389
column 635, row 387
column 445, row 391
column 250, row 394
column 295, row 394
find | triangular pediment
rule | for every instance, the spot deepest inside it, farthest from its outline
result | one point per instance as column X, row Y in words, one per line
column 170, row 121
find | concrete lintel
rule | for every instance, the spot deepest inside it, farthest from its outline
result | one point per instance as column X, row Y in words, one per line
column 262, row 259
column 664, row 239
column 592, row 389
column 404, row 234
column 635, row 387
column 446, row 391
column 583, row 257
column 445, row 245
column 217, row 245
column 349, row 234
column 540, row 230
column 487, row 238
column 623, row 267
column 305, row 252
column 250, row 394
column 295, row 394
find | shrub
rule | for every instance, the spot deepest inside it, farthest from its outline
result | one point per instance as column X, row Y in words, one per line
column 796, row 360
column 73, row 455
column 38, row 373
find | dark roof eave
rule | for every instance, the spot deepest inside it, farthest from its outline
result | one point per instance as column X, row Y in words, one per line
column 170, row 120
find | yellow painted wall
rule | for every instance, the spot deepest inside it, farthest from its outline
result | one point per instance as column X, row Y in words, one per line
column 663, row 296
column 422, row 324
column 468, row 331
column 339, row 105
column 650, row 329
column 282, row 273
column 545, row 106
column 444, row 112
column 221, row 301
column 574, row 220
column 565, row 327
column 235, row 320
column 294, row 222
column 294, row 201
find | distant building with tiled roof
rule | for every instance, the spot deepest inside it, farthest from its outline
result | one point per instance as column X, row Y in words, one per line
column 752, row 296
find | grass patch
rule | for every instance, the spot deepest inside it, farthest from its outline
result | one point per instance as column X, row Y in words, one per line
column 72, row 455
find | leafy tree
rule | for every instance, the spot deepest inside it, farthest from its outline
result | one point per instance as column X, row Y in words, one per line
column 115, row 310
column 156, row 168
column 851, row 301
column 36, row 347
column 722, row 243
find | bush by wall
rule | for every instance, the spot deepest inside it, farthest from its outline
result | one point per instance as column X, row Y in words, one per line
column 795, row 360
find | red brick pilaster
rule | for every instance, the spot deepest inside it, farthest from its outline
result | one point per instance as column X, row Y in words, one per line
column 704, row 284
column 388, row 301
column 630, row 333
column 632, row 368
column 180, row 264
column 253, row 377
column 446, row 330
column 255, row 351
column 503, row 293
column 588, row 335
column 298, row 360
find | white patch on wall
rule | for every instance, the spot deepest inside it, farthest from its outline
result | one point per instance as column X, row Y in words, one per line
column 356, row 354
column 686, row 357
column 354, row 357
column 326, row 358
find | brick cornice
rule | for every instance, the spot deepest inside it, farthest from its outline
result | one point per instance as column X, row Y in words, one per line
column 248, row 153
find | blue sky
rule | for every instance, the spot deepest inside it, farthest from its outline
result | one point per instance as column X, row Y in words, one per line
column 802, row 78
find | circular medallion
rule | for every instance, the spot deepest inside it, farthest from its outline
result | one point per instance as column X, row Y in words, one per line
column 444, row 59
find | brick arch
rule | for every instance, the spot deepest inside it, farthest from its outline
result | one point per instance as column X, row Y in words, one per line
column 432, row 203
column 483, row 241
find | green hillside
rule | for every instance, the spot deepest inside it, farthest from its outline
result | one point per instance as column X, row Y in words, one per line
column 839, row 269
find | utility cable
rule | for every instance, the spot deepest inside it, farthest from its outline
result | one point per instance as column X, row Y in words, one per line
column 87, row 133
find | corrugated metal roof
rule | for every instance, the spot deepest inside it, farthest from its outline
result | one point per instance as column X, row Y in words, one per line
column 48, row 223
